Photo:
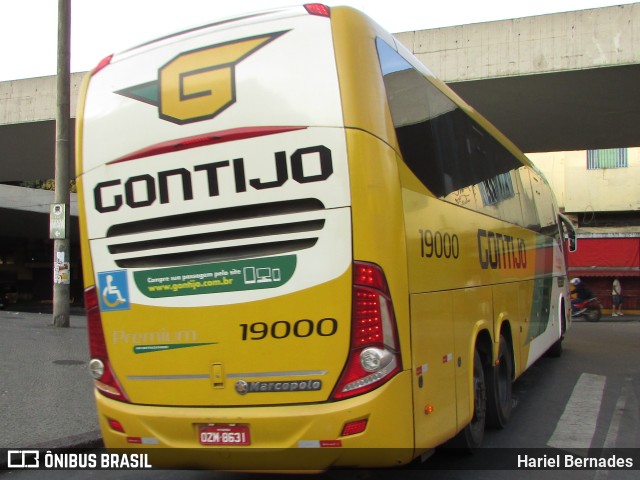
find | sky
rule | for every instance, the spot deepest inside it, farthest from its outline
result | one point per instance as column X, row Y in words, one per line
column 28, row 35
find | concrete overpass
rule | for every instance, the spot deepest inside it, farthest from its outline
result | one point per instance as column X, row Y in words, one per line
column 566, row 81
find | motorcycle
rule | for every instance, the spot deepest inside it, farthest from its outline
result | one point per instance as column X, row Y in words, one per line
column 590, row 310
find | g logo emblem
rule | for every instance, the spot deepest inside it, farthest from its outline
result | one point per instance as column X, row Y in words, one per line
column 199, row 84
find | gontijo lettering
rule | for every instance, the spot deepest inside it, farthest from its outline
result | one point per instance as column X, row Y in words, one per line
column 501, row 251
column 144, row 190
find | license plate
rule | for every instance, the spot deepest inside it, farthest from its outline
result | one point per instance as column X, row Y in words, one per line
column 228, row 434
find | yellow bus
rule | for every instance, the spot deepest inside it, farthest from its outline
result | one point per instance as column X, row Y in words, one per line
column 302, row 250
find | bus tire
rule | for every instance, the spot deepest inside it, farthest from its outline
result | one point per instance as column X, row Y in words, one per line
column 555, row 350
column 470, row 437
column 499, row 388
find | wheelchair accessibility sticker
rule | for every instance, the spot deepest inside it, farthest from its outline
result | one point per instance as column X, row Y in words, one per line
column 114, row 291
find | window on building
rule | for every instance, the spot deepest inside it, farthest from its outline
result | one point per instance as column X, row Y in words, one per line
column 607, row 158
column 496, row 189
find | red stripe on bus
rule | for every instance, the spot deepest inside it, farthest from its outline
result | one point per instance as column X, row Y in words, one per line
column 202, row 141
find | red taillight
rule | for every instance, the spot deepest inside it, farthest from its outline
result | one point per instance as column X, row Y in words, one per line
column 318, row 9
column 374, row 355
column 353, row 428
column 104, row 378
column 367, row 322
column 103, row 63
column 97, row 344
column 115, row 425
column 369, row 275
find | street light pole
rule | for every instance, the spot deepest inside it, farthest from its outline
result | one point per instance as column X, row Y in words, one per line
column 61, row 256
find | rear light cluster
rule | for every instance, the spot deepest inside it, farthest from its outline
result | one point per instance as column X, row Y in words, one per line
column 353, row 428
column 312, row 9
column 318, row 9
column 103, row 376
column 374, row 356
column 103, row 63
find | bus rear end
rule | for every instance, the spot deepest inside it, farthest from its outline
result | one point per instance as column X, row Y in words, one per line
column 227, row 315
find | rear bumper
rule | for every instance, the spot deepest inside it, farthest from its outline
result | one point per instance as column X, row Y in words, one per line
column 291, row 437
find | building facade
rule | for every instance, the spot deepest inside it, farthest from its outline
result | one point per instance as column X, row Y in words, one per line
column 600, row 191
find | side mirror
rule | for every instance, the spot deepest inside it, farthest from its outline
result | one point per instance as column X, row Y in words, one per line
column 570, row 232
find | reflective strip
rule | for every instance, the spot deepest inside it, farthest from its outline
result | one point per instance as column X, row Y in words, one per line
column 168, row 377
column 301, row 373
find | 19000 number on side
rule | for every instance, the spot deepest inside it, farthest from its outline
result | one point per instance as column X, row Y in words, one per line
column 436, row 244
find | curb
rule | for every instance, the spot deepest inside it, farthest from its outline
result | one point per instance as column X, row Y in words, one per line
column 91, row 439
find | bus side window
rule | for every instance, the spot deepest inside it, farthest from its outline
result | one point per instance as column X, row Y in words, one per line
column 452, row 155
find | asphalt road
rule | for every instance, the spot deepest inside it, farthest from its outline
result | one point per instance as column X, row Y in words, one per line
column 588, row 398
column 46, row 392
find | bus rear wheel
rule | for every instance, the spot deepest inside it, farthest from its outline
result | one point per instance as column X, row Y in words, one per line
column 470, row 438
column 499, row 388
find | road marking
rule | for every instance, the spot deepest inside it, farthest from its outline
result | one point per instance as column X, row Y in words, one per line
column 612, row 434
column 577, row 425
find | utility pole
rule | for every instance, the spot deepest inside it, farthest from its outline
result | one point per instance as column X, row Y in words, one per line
column 60, row 209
